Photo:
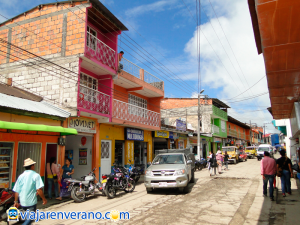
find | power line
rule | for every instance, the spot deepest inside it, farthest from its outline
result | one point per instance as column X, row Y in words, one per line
column 212, row 47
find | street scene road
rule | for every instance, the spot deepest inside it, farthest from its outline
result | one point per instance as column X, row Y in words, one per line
column 233, row 197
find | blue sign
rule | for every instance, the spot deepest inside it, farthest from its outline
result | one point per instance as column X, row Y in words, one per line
column 171, row 135
column 134, row 134
column 180, row 125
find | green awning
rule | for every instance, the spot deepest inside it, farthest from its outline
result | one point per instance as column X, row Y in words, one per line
column 37, row 127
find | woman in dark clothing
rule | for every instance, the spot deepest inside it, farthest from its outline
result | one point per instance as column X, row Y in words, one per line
column 226, row 157
column 213, row 164
column 68, row 170
column 285, row 164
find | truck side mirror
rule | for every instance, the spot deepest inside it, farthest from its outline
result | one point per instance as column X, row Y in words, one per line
column 189, row 162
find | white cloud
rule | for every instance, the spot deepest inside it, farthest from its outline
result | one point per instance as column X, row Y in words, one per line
column 236, row 23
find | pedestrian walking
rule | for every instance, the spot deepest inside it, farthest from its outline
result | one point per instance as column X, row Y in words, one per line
column 219, row 158
column 208, row 161
column 213, row 164
column 226, row 160
column 68, row 170
column 28, row 185
column 52, row 177
column 268, row 171
column 285, row 172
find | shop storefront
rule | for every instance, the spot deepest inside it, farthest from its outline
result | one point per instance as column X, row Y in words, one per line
column 19, row 141
column 181, row 141
column 124, row 146
column 81, row 148
column 216, row 144
column 161, row 140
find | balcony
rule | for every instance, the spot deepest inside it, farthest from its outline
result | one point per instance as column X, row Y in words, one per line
column 215, row 129
column 219, row 113
column 135, row 114
column 138, row 72
column 100, row 51
column 93, row 100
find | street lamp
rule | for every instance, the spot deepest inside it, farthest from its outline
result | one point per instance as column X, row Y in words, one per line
column 199, row 152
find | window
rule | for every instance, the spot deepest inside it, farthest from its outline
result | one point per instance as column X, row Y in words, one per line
column 88, row 88
column 229, row 126
column 91, row 38
column 137, row 101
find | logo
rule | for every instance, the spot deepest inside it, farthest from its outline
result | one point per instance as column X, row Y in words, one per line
column 114, row 215
column 12, row 214
column 163, row 172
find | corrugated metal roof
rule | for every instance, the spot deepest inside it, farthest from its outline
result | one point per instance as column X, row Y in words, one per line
column 32, row 106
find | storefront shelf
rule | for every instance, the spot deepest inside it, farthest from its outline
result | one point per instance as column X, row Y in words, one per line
column 4, row 162
column 4, row 172
column 4, row 167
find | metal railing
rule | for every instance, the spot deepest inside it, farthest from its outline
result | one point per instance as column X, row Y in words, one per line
column 153, row 80
column 136, row 114
column 219, row 112
column 93, row 100
column 134, row 70
column 215, row 129
column 130, row 67
column 100, row 51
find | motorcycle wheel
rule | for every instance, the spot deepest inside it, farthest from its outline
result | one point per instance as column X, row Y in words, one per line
column 130, row 186
column 110, row 192
column 77, row 198
column 136, row 179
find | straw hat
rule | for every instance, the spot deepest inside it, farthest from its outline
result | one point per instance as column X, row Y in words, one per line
column 28, row 162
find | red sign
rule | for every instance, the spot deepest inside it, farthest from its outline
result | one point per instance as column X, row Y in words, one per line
column 83, row 141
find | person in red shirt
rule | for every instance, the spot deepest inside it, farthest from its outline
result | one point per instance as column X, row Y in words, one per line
column 268, row 171
column 120, row 57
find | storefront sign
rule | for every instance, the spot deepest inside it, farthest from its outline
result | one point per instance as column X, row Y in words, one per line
column 218, row 140
column 161, row 134
column 171, row 135
column 175, row 136
column 69, row 154
column 193, row 141
column 190, row 134
column 134, row 134
column 180, row 125
column 83, row 156
column 182, row 136
column 82, row 124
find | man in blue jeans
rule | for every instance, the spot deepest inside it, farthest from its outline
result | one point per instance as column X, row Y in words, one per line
column 286, row 165
column 29, row 183
column 268, row 171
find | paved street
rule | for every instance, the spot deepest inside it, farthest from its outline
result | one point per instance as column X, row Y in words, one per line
column 234, row 197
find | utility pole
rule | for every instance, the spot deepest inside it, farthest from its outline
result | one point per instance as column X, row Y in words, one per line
column 250, row 134
column 199, row 151
column 264, row 133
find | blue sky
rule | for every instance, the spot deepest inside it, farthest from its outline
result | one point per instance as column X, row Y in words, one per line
column 229, row 60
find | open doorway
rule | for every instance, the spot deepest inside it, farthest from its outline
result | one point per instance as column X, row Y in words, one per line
column 51, row 151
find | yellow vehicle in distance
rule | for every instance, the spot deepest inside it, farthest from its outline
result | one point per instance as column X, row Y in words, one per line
column 233, row 153
column 251, row 152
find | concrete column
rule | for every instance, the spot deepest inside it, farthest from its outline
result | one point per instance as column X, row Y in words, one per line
column 142, row 74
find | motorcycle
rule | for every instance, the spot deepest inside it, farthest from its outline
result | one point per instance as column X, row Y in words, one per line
column 134, row 172
column 7, row 197
column 81, row 188
column 119, row 181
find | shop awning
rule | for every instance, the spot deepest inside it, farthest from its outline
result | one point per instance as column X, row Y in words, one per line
column 37, row 127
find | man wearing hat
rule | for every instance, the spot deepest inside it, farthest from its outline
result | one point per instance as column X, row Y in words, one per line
column 28, row 184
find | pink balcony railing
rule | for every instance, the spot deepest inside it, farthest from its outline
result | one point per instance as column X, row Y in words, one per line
column 136, row 114
column 93, row 100
column 100, row 51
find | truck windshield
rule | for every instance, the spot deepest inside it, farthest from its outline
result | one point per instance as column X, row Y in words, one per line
column 168, row 159
column 262, row 149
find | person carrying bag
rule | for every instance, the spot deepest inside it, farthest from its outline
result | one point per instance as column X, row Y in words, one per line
column 285, row 172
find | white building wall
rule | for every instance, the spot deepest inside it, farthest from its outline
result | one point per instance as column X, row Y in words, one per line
column 56, row 83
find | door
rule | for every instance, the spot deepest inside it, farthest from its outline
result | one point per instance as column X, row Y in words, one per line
column 144, row 153
column 29, row 150
column 51, row 151
column 105, row 157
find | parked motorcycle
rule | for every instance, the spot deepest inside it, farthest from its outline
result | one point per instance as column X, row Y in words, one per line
column 7, row 197
column 81, row 188
column 198, row 165
column 119, row 181
column 134, row 172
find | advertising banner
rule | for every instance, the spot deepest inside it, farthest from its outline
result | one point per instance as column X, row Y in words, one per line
column 161, row 134
column 180, row 125
column 83, row 156
column 134, row 134
column 82, row 124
